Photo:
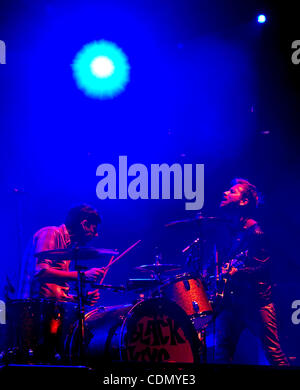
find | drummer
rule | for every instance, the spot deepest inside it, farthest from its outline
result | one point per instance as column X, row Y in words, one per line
column 50, row 278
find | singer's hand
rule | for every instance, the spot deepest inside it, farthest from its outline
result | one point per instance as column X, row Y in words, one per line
column 92, row 274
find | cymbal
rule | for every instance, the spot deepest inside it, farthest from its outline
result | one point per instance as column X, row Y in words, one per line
column 158, row 268
column 79, row 253
column 198, row 218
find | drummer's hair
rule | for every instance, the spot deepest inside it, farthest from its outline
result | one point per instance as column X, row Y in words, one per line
column 250, row 192
column 81, row 212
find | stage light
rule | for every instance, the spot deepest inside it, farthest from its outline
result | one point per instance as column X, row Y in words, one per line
column 261, row 18
column 101, row 69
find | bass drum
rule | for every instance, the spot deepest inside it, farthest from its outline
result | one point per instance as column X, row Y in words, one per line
column 154, row 330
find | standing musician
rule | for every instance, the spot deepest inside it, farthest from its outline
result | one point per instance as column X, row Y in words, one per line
column 47, row 278
column 246, row 288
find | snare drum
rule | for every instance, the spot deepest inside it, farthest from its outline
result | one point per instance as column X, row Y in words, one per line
column 188, row 292
column 155, row 330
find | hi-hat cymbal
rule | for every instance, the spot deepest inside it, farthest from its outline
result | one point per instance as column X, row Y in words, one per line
column 158, row 268
column 142, row 284
column 79, row 253
column 108, row 287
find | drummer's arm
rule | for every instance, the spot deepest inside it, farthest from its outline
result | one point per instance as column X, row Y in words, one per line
column 49, row 240
column 46, row 272
column 46, row 240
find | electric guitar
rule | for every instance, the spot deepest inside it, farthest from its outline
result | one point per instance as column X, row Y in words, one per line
column 224, row 278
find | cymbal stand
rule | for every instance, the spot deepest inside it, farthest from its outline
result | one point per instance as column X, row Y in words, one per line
column 156, row 274
column 192, row 261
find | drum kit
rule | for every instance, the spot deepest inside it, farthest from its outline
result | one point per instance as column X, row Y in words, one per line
column 166, row 323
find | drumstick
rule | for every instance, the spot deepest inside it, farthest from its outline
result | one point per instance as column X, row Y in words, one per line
column 122, row 254
column 106, row 269
column 112, row 260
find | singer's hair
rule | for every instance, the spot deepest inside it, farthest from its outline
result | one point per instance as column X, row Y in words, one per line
column 250, row 192
column 79, row 213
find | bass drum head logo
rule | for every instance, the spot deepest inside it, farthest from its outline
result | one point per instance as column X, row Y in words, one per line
column 159, row 331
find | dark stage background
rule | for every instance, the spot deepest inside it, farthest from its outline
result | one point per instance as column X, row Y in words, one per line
column 208, row 84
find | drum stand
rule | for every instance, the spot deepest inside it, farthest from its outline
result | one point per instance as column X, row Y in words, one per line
column 81, row 313
column 203, row 348
column 195, row 265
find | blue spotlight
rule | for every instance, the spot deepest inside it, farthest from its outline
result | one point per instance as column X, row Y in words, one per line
column 101, row 69
column 261, row 18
